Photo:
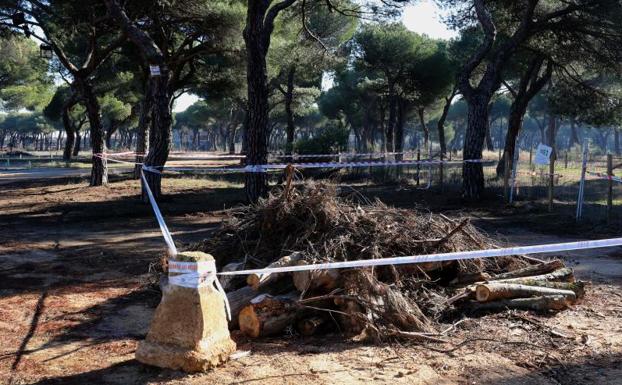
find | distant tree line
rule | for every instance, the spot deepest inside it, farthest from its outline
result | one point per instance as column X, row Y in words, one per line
column 308, row 75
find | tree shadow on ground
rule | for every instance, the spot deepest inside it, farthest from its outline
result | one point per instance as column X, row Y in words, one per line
column 596, row 369
column 133, row 372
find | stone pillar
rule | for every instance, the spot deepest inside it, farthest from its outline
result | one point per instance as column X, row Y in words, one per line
column 189, row 330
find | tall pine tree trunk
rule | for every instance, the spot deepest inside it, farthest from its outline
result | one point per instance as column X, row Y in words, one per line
column 440, row 126
column 142, row 133
column 390, row 127
column 515, row 123
column 77, row 146
column 69, row 131
column 289, row 98
column 473, row 172
column 424, row 127
column 489, row 145
column 399, row 131
column 574, row 135
column 160, row 136
column 58, row 140
column 257, row 40
column 99, row 169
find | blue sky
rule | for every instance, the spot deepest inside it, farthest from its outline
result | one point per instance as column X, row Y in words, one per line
column 423, row 17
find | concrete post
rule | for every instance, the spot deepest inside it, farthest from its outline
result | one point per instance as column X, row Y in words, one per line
column 189, row 330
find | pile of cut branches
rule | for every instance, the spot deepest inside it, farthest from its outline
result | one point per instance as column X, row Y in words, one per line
column 311, row 224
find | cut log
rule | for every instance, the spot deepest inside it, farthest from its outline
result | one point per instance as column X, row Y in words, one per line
column 493, row 291
column 257, row 280
column 468, row 293
column 309, row 326
column 227, row 280
column 237, row 300
column 266, row 315
column 315, row 279
column 544, row 303
column 561, row 275
column 539, row 269
column 578, row 287
column 469, row 278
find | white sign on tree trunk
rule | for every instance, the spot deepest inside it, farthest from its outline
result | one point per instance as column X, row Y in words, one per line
column 543, row 154
column 154, row 70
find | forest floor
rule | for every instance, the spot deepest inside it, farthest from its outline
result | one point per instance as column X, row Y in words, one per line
column 75, row 298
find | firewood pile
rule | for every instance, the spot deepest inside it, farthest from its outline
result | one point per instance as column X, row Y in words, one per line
column 312, row 224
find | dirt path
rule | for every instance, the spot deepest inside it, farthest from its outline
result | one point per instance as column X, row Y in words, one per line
column 47, row 173
column 73, row 303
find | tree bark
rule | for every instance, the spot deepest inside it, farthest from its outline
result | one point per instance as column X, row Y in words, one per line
column 289, row 98
column 160, row 137
column 399, row 130
column 142, row 133
column 233, row 129
column 551, row 132
column 160, row 97
column 574, row 135
column 257, row 280
column 616, row 141
column 237, row 300
column 542, row 303
column 530, row 85
column 542, row 268
column 99, row 169
column 114, row 125
column 69, row 129
column 260, row 17
column 493, row 291
column 479, row 97
column 440, row 126
column 489, row 145
column 389, row 129
column 424, row 127
column 472, row 172
column 267, row 315
column 78, row 145
column 561, row 275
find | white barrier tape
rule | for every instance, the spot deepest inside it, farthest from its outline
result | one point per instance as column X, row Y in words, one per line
column 117, row 160
column 268, row 167
column 454, row 256
column 109, row 154
column 156, row 210
column 203, row 169
column 185, row 267
column 198, row 156
column 340, row 154
column 194, row 275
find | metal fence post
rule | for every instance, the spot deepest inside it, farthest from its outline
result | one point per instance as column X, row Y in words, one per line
column 514, row 168
column 609, row 187
column 582, row 184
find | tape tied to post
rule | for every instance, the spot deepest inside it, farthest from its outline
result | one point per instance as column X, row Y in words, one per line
column 195, row 275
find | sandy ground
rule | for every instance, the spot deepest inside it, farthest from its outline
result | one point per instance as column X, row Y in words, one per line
column 74, row 301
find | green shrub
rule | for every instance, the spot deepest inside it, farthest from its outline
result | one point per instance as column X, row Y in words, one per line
column 328, row 141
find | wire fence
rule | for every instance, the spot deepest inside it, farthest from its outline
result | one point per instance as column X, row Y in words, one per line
column 602, row 192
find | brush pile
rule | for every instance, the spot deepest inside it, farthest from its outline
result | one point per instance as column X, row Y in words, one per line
column 311, row 224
